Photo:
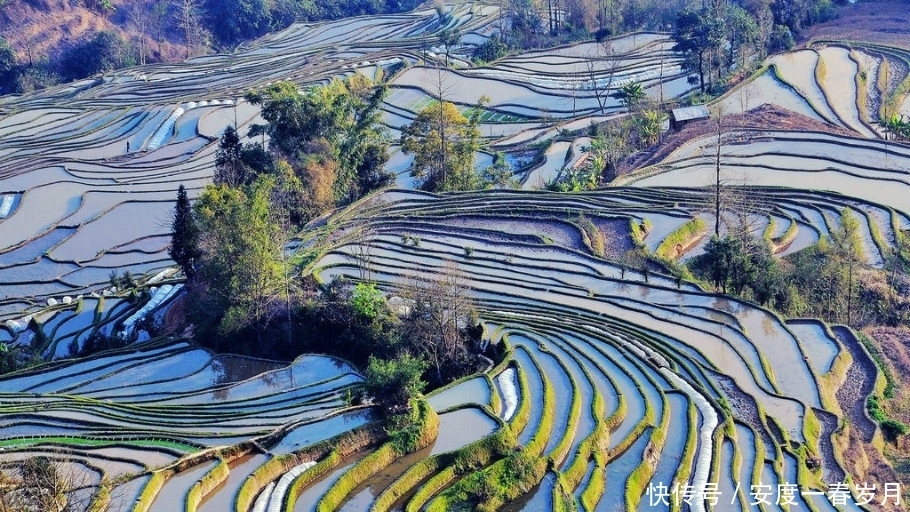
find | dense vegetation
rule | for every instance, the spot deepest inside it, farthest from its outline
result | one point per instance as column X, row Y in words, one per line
column 325, row 150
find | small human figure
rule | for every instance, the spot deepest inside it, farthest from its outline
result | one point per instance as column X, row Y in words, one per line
column 127, row 146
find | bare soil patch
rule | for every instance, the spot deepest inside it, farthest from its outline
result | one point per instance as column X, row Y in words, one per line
column 869, row 22
column 894, row 343
column 41, row 30
column 764, row 117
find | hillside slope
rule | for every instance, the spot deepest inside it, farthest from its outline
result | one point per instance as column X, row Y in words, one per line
column 40, row 29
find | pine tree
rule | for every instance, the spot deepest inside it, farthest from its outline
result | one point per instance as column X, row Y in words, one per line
column 228, row 164
column 184, row 247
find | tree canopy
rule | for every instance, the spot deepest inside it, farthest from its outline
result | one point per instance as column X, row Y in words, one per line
column 698, row 33
column 334, row 127
column 184, row 248
column 443, row 142
column 243, row 269
column 106, row 51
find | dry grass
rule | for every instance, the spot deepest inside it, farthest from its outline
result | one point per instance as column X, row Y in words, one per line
column 44, row 29
column 895, row 348
column 764, row 117
column 872, row 22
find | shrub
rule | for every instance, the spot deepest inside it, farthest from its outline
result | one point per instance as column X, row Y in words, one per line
column 492, row 49
column 781, row 39
column 367, row 300
column 106, row 51
column 395, row 383
column 891, row 429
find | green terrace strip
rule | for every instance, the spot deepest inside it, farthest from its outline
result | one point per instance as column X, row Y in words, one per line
column 637, row 483
column 427, row 426
column 206, row 485
column 328, row 453
column 150, row 491
column 444, row 467
column 681, row 240
column 24, row 442
column 464, row 461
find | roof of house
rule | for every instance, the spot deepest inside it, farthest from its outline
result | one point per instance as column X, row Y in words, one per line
column 691, row 113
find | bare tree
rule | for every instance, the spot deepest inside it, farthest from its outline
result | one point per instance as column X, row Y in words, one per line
column 52, row 483
column 611, row 62
column 745, row 212
column 188, row 14
column 442, row 308
column 137, row 14
column 718, row 118
column 159, row 19
column 363, row 237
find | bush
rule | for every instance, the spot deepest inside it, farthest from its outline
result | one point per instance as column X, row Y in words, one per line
column 367, row 300
column 394, row 383
column 891, row 429
column 34, row 78
column 104, row 52
column 781, row 39
column 492, row 49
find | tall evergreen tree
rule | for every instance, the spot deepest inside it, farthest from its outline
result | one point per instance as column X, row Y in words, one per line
column 184, row 247
column 229, row 167
column 243, row 267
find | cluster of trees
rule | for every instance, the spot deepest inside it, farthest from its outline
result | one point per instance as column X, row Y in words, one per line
column 443, row 142
column 245, row 300
column 330, row 137
column 722, row 37
column 613, row 141
column 103, row 52
column 830, row 280
column 425, row 334
column 325, row 149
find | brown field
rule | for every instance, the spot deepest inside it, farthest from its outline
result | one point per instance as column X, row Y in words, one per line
column 872, row 22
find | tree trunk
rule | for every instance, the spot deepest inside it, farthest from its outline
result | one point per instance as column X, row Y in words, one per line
column 701, row 70
column 717, row 183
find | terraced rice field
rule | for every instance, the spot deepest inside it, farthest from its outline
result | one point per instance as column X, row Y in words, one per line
column 89, row 169
column 623, row 379
column 615, row 357
column 843, row 172
column 850, row 87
